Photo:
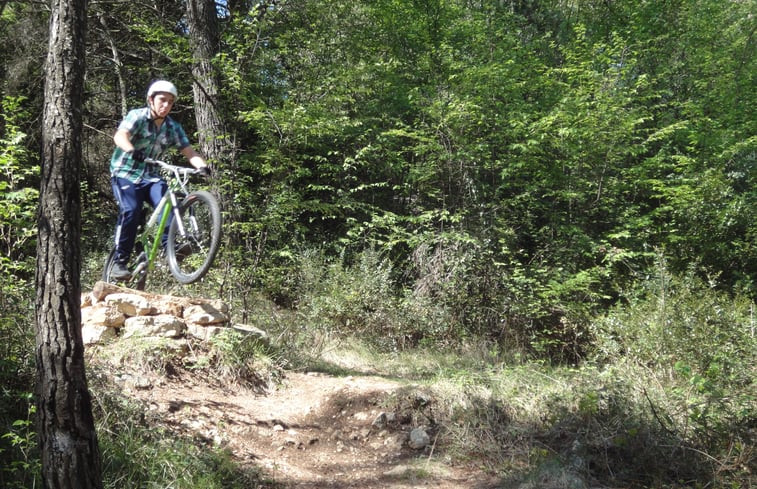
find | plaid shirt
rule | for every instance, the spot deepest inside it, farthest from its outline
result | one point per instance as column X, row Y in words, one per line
column 148, row 138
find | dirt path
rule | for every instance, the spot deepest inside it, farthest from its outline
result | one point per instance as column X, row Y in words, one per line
column 311, row 431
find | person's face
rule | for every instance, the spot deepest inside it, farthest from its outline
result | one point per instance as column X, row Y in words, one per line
column 162, row 103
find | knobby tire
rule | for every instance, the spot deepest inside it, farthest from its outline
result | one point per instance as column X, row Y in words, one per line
column 201, row 217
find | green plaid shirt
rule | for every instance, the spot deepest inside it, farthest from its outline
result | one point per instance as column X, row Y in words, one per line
column 151, row 140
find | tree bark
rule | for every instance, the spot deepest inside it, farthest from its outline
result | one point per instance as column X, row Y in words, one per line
column 204, row 41
column 67, row 439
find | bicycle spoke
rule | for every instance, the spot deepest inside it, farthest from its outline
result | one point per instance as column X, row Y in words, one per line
column 194, row 250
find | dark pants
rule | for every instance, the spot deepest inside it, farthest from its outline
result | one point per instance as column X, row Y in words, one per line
column 131, row 197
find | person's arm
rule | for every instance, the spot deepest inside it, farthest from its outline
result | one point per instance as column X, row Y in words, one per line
column 195, row 158
column 122, row 138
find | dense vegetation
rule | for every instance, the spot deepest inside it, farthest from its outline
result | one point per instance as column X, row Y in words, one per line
column 571, row 184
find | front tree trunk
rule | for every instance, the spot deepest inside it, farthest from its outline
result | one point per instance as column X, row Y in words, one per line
column 70, row 457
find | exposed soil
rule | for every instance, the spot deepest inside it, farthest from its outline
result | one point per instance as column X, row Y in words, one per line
column 310, row 430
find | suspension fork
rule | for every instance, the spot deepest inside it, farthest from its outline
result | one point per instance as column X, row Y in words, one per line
column 177, row 214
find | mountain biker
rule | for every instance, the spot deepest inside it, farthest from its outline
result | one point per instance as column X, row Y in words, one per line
column 144, row 133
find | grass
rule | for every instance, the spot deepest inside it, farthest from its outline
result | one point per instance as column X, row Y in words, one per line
column 533, row 425
column 623, row 418
column 137, row 452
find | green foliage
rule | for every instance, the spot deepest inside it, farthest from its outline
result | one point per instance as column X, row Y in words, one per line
column 540, row 426
column 497, row 171
column 18, row 445
column 684, row 329
column 338, row 299
column 415, row 128
column 681, row 320
column 18, row 195
column 18, row 201
column 242, row 358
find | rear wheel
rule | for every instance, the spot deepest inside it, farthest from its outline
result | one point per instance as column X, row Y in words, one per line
column 108, row 267
column 190, row 255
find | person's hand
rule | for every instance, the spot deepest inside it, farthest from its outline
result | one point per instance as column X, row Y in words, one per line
column 204, row 171
column 138, row 155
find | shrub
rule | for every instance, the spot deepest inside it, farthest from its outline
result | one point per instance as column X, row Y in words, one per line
column 699, row 346
column 338, row 299
column 19, row 457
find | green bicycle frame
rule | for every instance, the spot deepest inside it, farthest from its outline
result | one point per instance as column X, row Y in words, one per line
column 164, row 208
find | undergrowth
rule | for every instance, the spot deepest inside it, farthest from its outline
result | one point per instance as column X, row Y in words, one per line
column 19, row 455
column 137, row 452
column 663, row 398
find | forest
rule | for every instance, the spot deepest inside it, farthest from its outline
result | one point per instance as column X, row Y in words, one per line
column 567, row 185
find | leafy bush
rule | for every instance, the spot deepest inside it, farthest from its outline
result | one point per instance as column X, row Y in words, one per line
column 699, row 346
column 242, row 358
column 341, row 300
column 679, row 323
column 362, row 299
column 21, row 463
column 18, row 194
column 605, row 427
column 19, row 457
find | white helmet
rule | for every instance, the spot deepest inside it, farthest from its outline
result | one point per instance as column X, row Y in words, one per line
column 162, row 86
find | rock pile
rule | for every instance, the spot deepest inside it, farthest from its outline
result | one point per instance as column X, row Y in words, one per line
column 110, row 311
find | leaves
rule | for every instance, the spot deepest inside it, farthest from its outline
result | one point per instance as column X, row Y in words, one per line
column 18, row 192
column 563, row 141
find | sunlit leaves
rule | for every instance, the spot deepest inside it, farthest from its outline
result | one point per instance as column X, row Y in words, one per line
column 18, row 192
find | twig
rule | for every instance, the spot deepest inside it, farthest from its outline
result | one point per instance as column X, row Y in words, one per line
column 656, row 416
column 431, row 453
column 700, row 452
column 96, row 130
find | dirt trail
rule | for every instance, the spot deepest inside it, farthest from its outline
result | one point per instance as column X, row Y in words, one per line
column 311, row 431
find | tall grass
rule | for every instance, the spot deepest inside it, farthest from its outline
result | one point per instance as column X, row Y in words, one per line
column 664, row 398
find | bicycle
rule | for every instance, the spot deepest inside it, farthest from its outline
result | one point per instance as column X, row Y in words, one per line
column 193, row 236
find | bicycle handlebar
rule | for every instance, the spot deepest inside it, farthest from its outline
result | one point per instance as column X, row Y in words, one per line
column 180, row 174
column 176, row 170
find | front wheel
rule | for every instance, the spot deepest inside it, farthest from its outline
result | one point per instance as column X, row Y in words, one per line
column 191, row 254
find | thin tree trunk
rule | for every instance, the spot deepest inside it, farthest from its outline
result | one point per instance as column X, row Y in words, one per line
column 204, row 40
column 67, row 439
column 118, row 65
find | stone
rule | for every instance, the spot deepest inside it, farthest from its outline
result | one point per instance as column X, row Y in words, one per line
column 397, row 471
column 395, row 441
column 110, row 310
column 419, row 439
column 130, row 304
column 103, row 314
column 161, row 326
column 204, row 314
column 248, row 330
column 221, row 306
column 96, row 334
column 380, row 421
column 204, row 333
column 172, row 306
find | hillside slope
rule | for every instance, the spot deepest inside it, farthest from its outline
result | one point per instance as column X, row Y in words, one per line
column 302, row 429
